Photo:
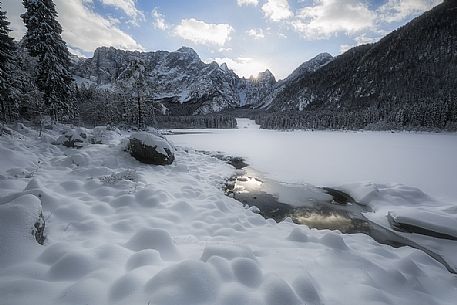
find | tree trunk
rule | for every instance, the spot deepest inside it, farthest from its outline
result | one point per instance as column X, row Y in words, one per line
column 3, row 111
column 154, row 122
column 140, row 116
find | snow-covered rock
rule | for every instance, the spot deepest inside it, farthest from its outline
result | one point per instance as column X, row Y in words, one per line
column 73, row 138
column 435, row 224
column 104, row 135
column 151, row 148
column 21, row 226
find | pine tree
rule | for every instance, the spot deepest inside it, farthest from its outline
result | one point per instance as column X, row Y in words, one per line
column 7, row 49
column 43, row 41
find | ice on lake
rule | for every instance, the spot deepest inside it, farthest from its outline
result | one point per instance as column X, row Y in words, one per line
column 333, row 158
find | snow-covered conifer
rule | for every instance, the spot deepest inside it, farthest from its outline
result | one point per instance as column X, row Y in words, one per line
column 43, row 41
column 7, row 49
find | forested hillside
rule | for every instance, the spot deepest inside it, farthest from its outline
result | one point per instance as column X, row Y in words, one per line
column 406, row 80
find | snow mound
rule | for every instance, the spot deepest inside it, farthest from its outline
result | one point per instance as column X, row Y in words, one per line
column 156, row 239
column 440, row 223
column 104, row 135
column 305, row 288
column 228, row 252
column 17, row 223
column 247, row 272
column 71, row 266
column 298, row 235
column 278, row 292
column 189, row 282
column 73, row 138
column 143, row 258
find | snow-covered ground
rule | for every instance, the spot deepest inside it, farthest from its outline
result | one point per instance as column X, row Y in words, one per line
column 410, row 175
column 246, row 123
column 120, row 232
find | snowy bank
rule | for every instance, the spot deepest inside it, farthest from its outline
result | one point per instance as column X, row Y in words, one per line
column 120, row 232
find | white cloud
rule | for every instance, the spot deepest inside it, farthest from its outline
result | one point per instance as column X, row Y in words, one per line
column 76, row 52
column 256, row 33
column 82, row 28
column 277, row 10
column 200, row 32
column 159, row 20
column 87, row 30
column 247, row 2
column 398, row 10
column 14, row 9
column 327, row 17
column 366, row 39
column 127, row 6
column 345, row 47
column 243, row 66
column 222, row 50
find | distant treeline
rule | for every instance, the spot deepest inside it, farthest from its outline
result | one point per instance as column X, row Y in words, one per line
column 420, row 116
column 198, row 122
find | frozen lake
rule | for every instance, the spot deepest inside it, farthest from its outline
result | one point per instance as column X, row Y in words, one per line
column 333, row 158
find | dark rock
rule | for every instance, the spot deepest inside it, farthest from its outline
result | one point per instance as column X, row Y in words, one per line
column 339, row 197
column 38, row 230
column 151, row 148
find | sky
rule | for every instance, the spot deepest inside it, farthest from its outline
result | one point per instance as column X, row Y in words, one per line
column 249, row 35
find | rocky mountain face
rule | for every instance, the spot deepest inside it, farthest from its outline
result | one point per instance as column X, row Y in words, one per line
column 304, row 70
column 410, row 70
column 178, row 80
column 252, row 91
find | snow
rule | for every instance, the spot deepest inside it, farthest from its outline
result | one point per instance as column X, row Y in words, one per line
column 410, row 176
column 410, row 205
column 169, row 235
column 443, row 223
column 104, row 135
column 333, row 158
column 246, row 123
column 17, row 217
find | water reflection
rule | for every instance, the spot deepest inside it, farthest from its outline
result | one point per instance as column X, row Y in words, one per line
column 320, row 208
column 245, row 184
column 322, row 221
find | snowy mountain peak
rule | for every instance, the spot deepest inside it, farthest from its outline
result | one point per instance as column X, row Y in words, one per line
column 311, row 65
column 224, row 67
column 189, row 51
column 266, row 76
column 323, row 56
column 303, row 70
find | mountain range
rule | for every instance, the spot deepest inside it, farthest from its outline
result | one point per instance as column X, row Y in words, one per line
column 408, row 78
column 182, row 82
column 179, row 80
